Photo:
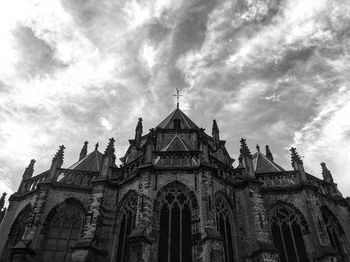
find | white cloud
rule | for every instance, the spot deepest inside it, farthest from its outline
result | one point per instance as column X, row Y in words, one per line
column 327, row 138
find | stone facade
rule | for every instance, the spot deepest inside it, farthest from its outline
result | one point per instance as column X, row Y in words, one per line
column 177, row 196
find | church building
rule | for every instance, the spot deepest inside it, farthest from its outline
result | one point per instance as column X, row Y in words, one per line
column 177, row 196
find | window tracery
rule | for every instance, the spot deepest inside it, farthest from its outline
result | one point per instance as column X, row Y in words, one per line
column 175, row 241
column 287, row 228
column 333, row 229
column 126, row 218
column 224, row 223
column 17, row 230
column 63, row 233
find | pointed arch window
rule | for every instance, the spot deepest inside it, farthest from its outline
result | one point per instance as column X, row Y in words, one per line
column 63, row 233
column 126, row 224
column 224, row 220
column 333, row 229
column 175, row 241
column 17, row 230
column 287, row 228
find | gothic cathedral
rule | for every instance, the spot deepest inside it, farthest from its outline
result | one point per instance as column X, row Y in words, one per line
column 178, row 196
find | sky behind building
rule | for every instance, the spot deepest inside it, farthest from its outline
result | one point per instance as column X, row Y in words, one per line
column 274, row 72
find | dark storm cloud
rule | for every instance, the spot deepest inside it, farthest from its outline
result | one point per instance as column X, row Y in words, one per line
column 275, row 72
column 37, row 57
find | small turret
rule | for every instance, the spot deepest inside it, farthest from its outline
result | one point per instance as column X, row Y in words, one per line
column 83, row 151
column 57, row 162
column 298, row 164
column 268, row 153
column 327, row 176
column 108, row 159
column 138, row 133
column 247, row 159
column 28, row 172
column 215, row 132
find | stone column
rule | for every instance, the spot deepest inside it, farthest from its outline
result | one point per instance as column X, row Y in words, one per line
column 140, row 243
column 211, row 242
column 90, row 248
column 254, row 229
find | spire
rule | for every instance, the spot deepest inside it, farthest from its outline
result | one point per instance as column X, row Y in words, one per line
column 2, row 200
column 215, row 132
column 298, row 165
column 268, row 153
column 244, row 149
column 110, row 147
column 327, row 176
column 59, row 155
column 108, row 159
column 83, row 151
column 295, row 156
column 257, row 148
column 247, row 159
column 138, row 133
column 96, row 146
column 28, row 172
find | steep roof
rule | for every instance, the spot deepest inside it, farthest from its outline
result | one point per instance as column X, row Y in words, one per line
column 263, row 165
column 186, row 122
column 92, row 162
column 176, row 144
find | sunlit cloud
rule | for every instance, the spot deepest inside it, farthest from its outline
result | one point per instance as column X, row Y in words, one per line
column 275, row 72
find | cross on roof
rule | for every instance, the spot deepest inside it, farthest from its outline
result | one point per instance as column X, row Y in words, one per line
column 177, row 97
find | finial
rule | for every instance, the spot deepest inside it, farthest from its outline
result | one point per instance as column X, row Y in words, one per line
column 96, row 146
column 295, row 156
column 2, row 200
column 327, row 175
column 28, row 172
column 268, row 153
column 60, row 154
column 257, row 148
column 139, row 125
column 244, row 148
column 138, row 133
column 177, row 98
column 83, row 151
column 110, row 147
column 215, row 131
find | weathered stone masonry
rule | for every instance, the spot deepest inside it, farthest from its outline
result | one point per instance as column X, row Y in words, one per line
column 177, row 196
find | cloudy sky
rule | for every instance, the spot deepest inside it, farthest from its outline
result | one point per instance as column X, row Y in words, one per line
column 275, row 72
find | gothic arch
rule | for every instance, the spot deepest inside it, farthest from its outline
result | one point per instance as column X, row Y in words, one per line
column 124, row 223
column 226, row 226
column 17, row 230
column 334, row 231
column 175, row 223
column 61, row 230
column 288, row 227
